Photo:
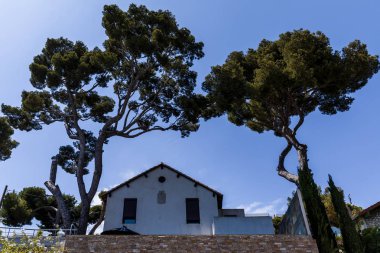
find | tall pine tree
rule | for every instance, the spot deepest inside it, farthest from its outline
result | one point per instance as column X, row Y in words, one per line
column 351, row 238
column 316, row 213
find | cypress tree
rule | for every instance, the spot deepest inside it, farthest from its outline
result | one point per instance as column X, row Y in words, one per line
column 351, row 238
column 316, row 213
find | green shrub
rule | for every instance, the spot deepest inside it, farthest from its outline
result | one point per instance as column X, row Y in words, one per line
column 25, row 244
column 371, row 240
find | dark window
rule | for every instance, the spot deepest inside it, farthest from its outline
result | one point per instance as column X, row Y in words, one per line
column 192, row 210
column 129, row 213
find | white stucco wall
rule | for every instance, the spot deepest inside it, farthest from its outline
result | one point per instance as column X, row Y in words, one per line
column 168, row 218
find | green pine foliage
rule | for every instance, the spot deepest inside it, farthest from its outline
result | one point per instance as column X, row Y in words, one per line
column 6, row 142
column 15, row 211
column 316, row 213
column 34, row 203
column 351, row 238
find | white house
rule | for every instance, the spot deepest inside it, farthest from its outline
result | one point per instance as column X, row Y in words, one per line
column 162, row 200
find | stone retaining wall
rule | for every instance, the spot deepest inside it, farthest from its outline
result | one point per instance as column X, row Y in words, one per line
column 191, row 244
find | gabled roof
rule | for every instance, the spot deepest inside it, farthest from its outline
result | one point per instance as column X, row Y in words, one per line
column 161, row 166
column 367, row 210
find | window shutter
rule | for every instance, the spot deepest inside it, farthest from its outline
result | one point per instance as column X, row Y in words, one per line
column 129, row 213
column 192, row 210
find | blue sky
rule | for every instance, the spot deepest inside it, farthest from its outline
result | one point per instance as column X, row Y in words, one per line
column 234, row 160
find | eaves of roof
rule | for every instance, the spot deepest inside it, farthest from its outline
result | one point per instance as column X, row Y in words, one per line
column 161, row 166
column 367, row 210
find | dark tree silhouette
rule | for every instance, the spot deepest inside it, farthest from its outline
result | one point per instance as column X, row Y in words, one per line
column 351, row 237
column 316, row 213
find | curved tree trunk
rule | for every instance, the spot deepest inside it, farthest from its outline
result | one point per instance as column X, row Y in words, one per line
column 292, row 142
column 281, row 166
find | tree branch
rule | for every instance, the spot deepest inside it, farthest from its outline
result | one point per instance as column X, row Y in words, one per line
column 299, row 147
column 82, row 148
column 299, row 124
column 134, row 84
column 281, row 170
column 69, row 132
column 53, row 170
column 51, row 208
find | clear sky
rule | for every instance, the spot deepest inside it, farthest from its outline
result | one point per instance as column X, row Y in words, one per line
column 234, row 160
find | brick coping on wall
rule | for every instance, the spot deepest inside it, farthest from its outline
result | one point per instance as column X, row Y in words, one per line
column 190, row 244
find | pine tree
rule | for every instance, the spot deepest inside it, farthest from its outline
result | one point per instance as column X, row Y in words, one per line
column 140, row 81
column 316, row 213
column 351, row 238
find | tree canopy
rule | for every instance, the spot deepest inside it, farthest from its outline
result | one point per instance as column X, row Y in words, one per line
column 19, row 209
column 139, row 81
column 6, row 142
column 287, row 79
column 15, row 211
column 147, row 59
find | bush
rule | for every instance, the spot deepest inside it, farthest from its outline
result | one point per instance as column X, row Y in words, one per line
column 25, row 244
column 371, row 240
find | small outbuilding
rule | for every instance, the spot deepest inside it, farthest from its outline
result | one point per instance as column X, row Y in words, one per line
column 164, row 201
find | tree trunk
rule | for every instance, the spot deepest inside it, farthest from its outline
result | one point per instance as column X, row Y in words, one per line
column 302, row 156
column 88, row 197
column 56, row 191
column 57, row 218
column 98, row 157
column 300, row 148
column 83, row 219
column 100, row 220
column 281, row 166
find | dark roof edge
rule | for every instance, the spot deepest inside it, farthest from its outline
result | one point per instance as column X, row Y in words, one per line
column 374, row 206
column 154, row 168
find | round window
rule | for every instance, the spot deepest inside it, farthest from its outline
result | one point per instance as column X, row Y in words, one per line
column 161, row 179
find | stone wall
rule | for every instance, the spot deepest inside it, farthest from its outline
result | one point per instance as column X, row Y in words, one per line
column 191, row 244
column 373, row 218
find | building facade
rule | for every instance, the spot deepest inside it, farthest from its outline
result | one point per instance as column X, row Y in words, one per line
column 164, row 201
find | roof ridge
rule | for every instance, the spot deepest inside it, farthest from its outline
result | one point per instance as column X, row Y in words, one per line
column 154, row 168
